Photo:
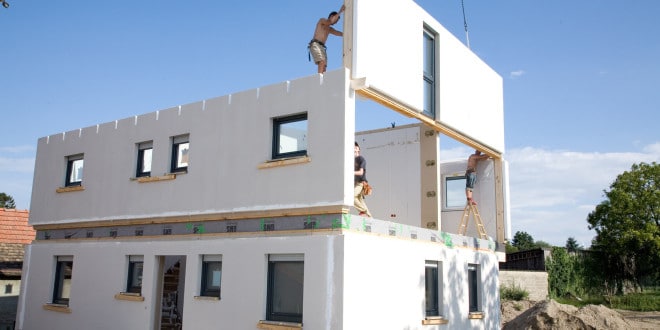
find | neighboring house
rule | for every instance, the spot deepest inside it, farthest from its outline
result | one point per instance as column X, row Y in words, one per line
column 15, row 233
column 236, row 212
column 526, row 270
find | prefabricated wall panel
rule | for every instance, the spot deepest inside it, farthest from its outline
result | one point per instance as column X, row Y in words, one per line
column 230, row 138
column 387, row 51
column 353, row 279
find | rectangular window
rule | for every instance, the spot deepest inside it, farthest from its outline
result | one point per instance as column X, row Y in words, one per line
column 285, row 288
column 429, row 60
column 211, row 275
column 144, row 159
column 9, row 288
column 454, row 192
column 180, row 153
column 62, row 285
column 473, row 287
column 135, row 267
column 74, row 170
column 433, row 288
column 290, row 136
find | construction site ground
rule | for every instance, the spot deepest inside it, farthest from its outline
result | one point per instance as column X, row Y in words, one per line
column 550, row 314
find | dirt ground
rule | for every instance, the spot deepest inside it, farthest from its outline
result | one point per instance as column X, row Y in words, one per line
column 549, row 314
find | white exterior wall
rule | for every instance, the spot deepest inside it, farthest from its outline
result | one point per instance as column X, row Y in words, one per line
column 387, row 51
column 100, row 268
column 384, row 284
column 353, row 280
column 229, row 136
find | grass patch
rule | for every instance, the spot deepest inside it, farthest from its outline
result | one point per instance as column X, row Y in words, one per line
column 642, row 302
column 513, row 292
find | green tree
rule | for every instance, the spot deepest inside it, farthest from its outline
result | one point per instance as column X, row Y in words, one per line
column 627, row 226
column 542, row 244
column 7, row 201
column 522, row 241
column 572, row 245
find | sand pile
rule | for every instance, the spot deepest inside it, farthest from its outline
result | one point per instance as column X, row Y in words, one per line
column 550, row 314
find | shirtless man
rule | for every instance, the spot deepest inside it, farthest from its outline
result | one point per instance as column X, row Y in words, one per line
column 323, row 29
column 471, row 174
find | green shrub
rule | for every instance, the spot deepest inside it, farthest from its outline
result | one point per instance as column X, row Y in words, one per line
column 513, row 292
column 643, row 302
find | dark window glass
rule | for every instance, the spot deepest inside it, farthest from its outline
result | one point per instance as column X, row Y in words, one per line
column 211, row 277
column 429, row 74
column 473, row 279
column 431, row 287
column 62, row 289
column 285, row 291
column 135, row 267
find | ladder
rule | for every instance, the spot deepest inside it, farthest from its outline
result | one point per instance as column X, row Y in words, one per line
column 472, row 209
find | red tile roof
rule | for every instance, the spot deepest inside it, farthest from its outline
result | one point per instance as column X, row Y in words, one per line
column 14, row 227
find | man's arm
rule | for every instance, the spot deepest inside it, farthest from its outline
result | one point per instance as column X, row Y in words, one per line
column 335, row 32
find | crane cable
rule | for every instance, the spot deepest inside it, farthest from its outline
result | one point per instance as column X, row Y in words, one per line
column 467, row 35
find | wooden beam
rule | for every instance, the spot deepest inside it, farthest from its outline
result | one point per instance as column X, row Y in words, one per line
column 409, row 111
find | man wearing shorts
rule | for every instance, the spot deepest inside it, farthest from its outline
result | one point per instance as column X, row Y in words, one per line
column 471, row 174
column 317, row 45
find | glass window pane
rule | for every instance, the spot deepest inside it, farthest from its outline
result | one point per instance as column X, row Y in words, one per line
column 146, row 160
column 288, row 288
column 429, row 55
column 213, row 275
column 431, row 286
column 182, row 154
column 135, row 279
column 293, row 136
column 455, row 192
column 429, row 104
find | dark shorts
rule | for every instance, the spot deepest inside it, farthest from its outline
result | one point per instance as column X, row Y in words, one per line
column 471, row 178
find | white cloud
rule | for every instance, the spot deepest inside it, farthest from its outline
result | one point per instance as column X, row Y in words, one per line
column 553, row 191
column 516, row 74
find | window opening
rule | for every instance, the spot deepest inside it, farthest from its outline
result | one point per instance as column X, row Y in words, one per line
column 429, row 60
column 74, row 170
column 285, row 288
column 211, row 275
column 145, row 151
column 135, row 268
column 290, row 136
column 62, row 289
column 455, row 192
column 180, row 153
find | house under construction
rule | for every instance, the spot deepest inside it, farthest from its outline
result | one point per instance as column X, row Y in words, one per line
column 236, row 212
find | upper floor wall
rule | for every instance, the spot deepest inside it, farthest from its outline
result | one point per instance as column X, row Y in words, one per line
column 385, row 47
column 230, row 166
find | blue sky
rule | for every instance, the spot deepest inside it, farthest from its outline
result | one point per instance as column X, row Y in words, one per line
column 581, row 81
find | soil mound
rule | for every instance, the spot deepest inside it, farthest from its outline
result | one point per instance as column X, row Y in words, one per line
column 551, row 315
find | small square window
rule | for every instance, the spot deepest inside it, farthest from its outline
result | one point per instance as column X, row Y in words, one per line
column 74, row 170
column 290, row 136
column 134, row 280
column 285, row 288
column 144, row 159
column 454, row 192
column 211, row 275
column 180, row 153
column 473, row 288
column 9, row 288
column 62, row 287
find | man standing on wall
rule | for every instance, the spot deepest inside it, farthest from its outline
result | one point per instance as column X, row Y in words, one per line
column 471, row 174
column 317, row 45
column 360, row 180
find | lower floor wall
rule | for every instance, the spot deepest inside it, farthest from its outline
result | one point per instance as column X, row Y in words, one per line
column 534, row 282
column 352, row 280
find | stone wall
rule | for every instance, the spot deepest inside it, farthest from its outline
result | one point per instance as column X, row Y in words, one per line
column 536, row 283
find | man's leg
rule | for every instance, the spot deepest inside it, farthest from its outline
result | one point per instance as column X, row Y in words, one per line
column 358, row 200
column 322, row 66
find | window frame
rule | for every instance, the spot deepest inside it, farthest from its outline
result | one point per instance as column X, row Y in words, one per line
column 207, row 290
column 436, row 290
column 474, row 291
column 71, row 161
column 445, row 191
column 273, row 291
column 277, row 125
column 177, row 142
column 135, row 262
column 429, row 78
column 142, row 148
column 59, row 284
